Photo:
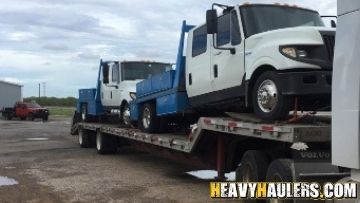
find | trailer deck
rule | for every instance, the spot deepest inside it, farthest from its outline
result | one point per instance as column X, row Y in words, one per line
column 289, row 133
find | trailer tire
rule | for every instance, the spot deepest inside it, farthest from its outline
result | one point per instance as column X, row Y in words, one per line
column 74, row 127
column 253, row 167
column 282, row 169
column 105, row 143
column 267, row 99
column 148, row 121
column 84, row 138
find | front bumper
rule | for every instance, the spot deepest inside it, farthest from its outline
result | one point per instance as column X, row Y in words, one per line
column 306, row 83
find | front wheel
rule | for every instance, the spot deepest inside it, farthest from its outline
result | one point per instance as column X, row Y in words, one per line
column 125, row 114
column 267, row 99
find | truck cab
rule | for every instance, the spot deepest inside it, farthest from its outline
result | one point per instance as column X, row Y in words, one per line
column 116, row 82
column 261, row 57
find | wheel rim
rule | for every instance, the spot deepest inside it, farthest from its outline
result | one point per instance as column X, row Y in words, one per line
column 146, row 118
column 83, row 113
column 126, row 115
column 267, row 96
column 98, row 142
column 80, row 138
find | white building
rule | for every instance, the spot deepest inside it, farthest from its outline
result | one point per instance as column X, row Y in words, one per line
column 9, row 94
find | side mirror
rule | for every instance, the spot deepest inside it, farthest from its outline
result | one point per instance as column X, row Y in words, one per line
column 211, row 21
column 333, row 23
column 105, row 73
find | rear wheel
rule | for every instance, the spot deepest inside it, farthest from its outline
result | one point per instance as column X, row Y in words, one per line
column 280, row 170
column 253, row 167
column 22, row 118
column 148, row 121
column 105, row 143
column 267, row 99
column 30, row 117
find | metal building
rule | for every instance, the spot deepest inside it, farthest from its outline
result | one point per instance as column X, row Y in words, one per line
column 9, row 94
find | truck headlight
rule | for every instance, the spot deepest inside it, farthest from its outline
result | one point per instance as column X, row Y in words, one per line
column 293, row 52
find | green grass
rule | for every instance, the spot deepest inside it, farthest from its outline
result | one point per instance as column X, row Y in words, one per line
column 61, row 111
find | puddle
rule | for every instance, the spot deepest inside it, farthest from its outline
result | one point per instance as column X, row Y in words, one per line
column 5, row 181
column 210, row 174
column 37, row 139
column 10, row 167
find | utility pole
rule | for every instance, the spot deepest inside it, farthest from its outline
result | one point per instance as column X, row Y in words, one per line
column 39, row 90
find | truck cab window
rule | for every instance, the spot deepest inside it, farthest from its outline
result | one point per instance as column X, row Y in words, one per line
column 223, row 36
column 235, row 29
column 199, row 42
column 115, row 73
column 105, row 71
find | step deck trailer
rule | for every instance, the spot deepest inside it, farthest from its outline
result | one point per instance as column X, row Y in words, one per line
column 227, row 144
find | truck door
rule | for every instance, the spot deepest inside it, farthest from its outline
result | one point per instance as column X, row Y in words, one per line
column 105, row 80
column 110, row 96
column 20, row 110
column 114, row 85
column 198, row 65
column 227, row 69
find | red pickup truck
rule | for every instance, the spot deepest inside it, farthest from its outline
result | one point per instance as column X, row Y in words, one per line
column 24, row 110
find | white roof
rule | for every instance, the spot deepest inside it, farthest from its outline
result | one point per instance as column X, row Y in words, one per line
column 10, row 83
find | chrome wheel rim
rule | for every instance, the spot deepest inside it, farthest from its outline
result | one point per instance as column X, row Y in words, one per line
column 267, row 96
column 80, row 138
column 126, row 116
column 146, row 118
column 98, row 141
column 83, row 113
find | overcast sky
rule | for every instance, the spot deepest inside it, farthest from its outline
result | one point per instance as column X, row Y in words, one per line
column 60, row 42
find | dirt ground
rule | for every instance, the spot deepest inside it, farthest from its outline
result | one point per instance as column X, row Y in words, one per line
column 48, row 166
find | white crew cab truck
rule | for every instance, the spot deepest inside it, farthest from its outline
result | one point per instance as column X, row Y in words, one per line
column 270, row 58
column 116, row 82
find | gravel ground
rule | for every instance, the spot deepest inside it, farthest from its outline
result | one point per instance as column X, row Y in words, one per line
column 41, row 162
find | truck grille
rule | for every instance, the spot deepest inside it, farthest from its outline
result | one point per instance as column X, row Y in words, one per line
column 329, row 41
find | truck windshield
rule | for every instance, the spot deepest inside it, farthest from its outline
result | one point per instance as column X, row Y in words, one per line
column 33, row 105
column 262, row 18
column 142, row 70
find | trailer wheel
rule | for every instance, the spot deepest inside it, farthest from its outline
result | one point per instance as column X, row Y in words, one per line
column 74, row 127
column 267, row 99
column 84, row 113
column 22, row 118
column 280, row 170
column 9, row 116
column 253, row 167
column 84, row 138
column 148, row 121
column 105, row 144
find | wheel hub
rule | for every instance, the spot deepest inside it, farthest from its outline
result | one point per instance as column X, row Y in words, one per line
column 98, row 142
column 267, row 96
column 126, row 116
column 80, row 139
column 146, row 118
